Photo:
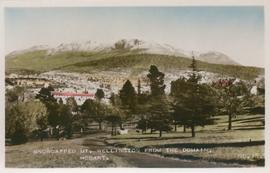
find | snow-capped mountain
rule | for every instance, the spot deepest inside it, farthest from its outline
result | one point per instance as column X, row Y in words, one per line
column 31, row 49
column 152, row 47
column 133, row 44
column 216, row 58
column 77, row 46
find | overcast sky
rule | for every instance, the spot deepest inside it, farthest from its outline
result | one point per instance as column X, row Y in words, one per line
column 235, row 31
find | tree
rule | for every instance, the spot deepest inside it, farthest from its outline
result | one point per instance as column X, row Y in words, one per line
column 15, row 94
column 115, row 100
column 45, row 96
column 114, row 116
column 193, row 64
column 128, row 97
column 24, row 117
column 159, row 108
column 65, row 119
column 99, row 94
column 71, row 102
column 177, row 90
column 196, row 107
column 231, row 101
column 233, row 96
column 99, row 113
column 142, row 124
column 121, row 45
column 160, row 117
column 95, row 110
column 197, row 104
column 156, row 81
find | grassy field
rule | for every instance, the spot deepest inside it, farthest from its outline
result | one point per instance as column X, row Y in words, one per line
column 244, row 144
column 26, row 156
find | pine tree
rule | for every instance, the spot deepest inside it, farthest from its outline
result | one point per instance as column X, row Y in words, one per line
column 193, row 64
column 156, row 81
column 99, row 94
column 160, row 117
column 195, row 108
column 128, row 96
column 194, row 103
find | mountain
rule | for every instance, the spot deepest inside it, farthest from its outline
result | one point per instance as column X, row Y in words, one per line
column 76, row 46
column 31, row 49
column 133, row 55
column 137, row 45
column 216, row 58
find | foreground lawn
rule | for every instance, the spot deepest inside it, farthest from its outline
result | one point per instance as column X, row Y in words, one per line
column 24, row 156
column 244, row 144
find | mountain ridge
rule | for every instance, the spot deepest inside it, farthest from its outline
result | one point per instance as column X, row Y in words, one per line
column 131, row 44
column 95, row 62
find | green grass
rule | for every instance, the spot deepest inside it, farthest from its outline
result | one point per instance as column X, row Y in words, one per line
column 243, row 131
column 23, row 156
column 39, row 61
column 216, row 135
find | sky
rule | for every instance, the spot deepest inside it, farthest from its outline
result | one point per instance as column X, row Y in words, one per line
column 237, row 31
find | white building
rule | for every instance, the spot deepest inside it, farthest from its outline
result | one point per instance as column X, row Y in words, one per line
column 79, row 97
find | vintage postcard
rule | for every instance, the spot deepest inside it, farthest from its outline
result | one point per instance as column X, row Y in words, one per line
column 134, row 86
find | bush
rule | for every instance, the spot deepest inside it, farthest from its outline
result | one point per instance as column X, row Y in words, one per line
column 18, row 137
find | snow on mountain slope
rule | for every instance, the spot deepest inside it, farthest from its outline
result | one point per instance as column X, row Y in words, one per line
column 31, row 49
column 216, row 58
column 133, row 44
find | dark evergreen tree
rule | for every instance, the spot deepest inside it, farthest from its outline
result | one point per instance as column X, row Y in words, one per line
column 99, row 94
column 178, row 89
column 45, row 95
column 142, row 124
column 60, row 101
column 156, row 81
column 193, row 64
column 159, row 111
column 196, row 106
column 128, row 96
column 194, row 103
column 160, row 117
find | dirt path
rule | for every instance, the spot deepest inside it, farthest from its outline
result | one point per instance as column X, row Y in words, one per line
column 146, row 160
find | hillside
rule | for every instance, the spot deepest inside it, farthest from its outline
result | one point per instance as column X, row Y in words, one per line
column 39, row 61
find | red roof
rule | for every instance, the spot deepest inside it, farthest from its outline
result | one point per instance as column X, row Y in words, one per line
column 70, row 94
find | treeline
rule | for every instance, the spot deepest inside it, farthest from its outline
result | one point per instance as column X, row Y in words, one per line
column 189, row 104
